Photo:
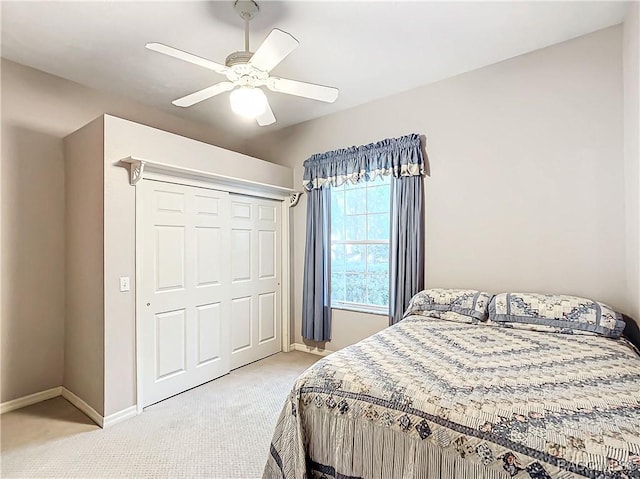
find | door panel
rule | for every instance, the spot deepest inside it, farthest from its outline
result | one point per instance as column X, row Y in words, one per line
column 170, row 343
column 241, row 324
column 185, row 288
column 170, row 201
column 241, row 254
column 209, row 327
column 206, row 205
column 170, row 257
column 241, row 208
column 208, row 260
column 267, row 212
column 267, row 254
column 255, row 284
column 266, row 317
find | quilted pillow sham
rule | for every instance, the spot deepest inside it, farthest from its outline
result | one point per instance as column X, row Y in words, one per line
column 558, row 313
column 460, row 305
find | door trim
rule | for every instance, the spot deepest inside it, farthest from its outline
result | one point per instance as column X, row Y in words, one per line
column 285, row 291
column 139, row 225
column 138, row 290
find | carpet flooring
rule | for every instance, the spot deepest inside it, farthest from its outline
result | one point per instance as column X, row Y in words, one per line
column 221, row 429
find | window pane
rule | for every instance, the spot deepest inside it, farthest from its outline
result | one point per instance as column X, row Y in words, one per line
column 355, row 201
column 378, row 285
column 337, row 214
column 337, row 258
column 378, row 199
column 378, row 258
column 355, row 288
column 337, row 286
column 351, row 186
column 378, row 226
column 355, row 257
column 355, row 228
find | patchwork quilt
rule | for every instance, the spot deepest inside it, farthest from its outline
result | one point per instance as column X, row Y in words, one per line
column 430, row 398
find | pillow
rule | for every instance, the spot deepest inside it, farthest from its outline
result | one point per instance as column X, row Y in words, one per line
column 461, row 305
column 446, row 315
column 559, row 313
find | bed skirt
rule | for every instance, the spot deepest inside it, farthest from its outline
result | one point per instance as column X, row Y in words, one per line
column 342, row 448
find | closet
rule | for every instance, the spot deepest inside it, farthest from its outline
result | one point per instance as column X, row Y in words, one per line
column 177, row 265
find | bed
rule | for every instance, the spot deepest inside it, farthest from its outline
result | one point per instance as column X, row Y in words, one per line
column 435, row 397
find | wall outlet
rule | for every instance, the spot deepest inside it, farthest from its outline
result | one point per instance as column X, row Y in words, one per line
column 124, row 283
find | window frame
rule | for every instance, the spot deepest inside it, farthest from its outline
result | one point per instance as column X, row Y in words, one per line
column 351, row 305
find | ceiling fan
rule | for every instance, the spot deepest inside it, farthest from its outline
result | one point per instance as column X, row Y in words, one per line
column 247, row 72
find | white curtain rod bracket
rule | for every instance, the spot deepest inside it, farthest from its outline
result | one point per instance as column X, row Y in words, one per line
column 294, row 198
column 136, row 170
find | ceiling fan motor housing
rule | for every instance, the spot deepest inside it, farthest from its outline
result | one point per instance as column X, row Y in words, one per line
column 242, row 72
column 236, row 58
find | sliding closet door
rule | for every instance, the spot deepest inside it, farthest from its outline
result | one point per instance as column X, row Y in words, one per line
column 255, row 278
column 185, row 281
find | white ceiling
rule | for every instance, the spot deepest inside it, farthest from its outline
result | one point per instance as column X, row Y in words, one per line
column 367, row 49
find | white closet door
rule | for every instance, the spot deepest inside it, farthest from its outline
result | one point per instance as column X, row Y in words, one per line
column 185, row 288
column 255, row 278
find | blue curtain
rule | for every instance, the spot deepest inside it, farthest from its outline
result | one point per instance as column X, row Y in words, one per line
column 406, row 245
column 402, row 159
column 316, row 298
column 394, row 156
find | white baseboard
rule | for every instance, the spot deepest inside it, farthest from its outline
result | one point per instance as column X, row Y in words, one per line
column 30, row 399
column 103, row 422
column 308, row 349
column 94, row 415
column 119, row 416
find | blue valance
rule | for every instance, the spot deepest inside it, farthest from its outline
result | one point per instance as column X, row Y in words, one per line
column 393, row 156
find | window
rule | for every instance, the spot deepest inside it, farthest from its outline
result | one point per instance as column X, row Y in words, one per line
column 360, row 246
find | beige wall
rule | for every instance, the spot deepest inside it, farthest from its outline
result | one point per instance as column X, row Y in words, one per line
column 54, row 106
column 38, row 111
column 33, row 270
column 631, row 75
column 526, row 190
column 84, row 212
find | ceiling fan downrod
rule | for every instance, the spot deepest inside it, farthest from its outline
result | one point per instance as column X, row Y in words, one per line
column 246, row 33
column 247, row 9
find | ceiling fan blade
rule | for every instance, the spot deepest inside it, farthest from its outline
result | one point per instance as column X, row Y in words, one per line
column 187, row 57
column 204, row 94
column 273, row 50
column 307, row 90
column 267, row 118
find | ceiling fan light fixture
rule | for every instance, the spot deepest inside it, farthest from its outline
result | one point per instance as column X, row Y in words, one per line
column 248, row 101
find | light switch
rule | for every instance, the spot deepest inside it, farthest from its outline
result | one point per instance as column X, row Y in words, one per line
column 124, row 283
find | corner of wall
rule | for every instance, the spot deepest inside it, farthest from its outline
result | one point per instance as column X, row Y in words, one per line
column 631, row 80
column 84, row 215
